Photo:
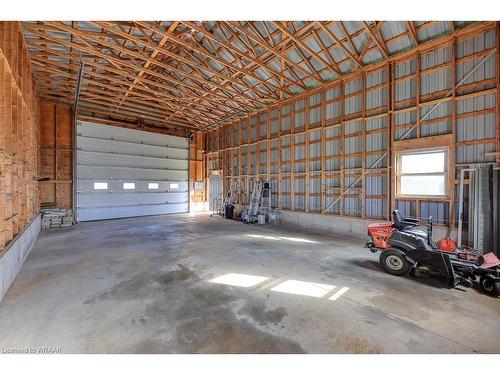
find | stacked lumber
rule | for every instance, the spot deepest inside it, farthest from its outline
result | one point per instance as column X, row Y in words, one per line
column 19, row 134
column 55, row 217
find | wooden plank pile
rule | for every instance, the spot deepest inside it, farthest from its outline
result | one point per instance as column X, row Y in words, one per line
column 54, row 217
column 19, row 134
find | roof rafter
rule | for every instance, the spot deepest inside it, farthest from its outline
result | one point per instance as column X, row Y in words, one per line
column 381, row 46
column 185, row 76
column 302, row 45
column 146, row 65
column 235, row 51
column 202, row 52
column 341, row 45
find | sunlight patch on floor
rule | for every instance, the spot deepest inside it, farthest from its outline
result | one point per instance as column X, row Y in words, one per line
column 338, row 293
column 291, row 239
column 303, row 288
column 239, row 279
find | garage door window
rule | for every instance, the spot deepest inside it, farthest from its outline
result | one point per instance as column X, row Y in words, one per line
column 128, row 185
column 153, row 185
column 100, row 185
column 422, row 173
column 174, row 186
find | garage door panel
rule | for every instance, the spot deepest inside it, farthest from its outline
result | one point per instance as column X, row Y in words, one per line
column 87, row 186
column 106, row 159
column 130, row 174
column 127, row 199
column 126, row 148
column 87, row 214
column 87, row 129
column 114, row 156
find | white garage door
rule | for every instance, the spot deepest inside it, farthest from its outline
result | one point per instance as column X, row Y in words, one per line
column 124, row 173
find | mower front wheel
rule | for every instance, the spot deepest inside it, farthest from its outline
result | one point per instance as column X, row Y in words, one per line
column 394, row 262
column 489, row 285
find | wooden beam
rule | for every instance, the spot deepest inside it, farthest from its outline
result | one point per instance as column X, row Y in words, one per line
column 302, row 45
column 146, row 65
column 410, row 27
column 341, row 45
column 381, row 46
column 313, row 75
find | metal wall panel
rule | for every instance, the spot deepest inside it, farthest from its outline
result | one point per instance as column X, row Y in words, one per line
column 349, row 125
column 116, row 155
column 406, row 89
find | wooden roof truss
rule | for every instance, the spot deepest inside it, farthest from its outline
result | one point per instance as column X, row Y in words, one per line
column 187, row 75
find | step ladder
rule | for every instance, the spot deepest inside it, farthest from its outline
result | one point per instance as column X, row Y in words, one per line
column 260, row 201
column 255, row 199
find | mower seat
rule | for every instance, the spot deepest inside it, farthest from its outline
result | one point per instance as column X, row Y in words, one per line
column 402, row 224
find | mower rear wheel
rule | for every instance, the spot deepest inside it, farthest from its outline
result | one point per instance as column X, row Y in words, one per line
column 394, row 262
column 489, row 285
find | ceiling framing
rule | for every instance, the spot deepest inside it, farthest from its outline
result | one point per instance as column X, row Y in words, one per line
column 184, row 76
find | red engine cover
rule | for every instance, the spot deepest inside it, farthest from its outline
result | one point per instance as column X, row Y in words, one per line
column 380, row 233
column 447, row 245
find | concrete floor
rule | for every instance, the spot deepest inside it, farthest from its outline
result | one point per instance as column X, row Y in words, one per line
column 143, row 286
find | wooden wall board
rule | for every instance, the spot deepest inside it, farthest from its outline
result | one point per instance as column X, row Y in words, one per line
column 56, row 156
column 19, row 134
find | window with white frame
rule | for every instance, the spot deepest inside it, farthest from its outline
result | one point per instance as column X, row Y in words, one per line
column 153, row 185
column 422, row 173
column 100, row 185
column 128, row 185
column 174, row 186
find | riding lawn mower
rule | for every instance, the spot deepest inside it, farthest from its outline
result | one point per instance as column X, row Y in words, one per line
column 407, row 247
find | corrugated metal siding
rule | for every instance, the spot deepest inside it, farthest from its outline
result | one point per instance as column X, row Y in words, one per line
column 480, row 126
column 438, row 211
column 285, row 188
column 436, row 128
column 376, row 98
column 345, row 137
column 263, row 157
column 436, row 81
column 405, row 118
column 405, row 90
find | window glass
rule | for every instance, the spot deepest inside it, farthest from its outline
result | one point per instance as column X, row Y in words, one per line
column 422, row 185
column 100, row 185
column 422, row 173
column 129, row 185
column 423, row 163
column 153, row 185
column 174, row 186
